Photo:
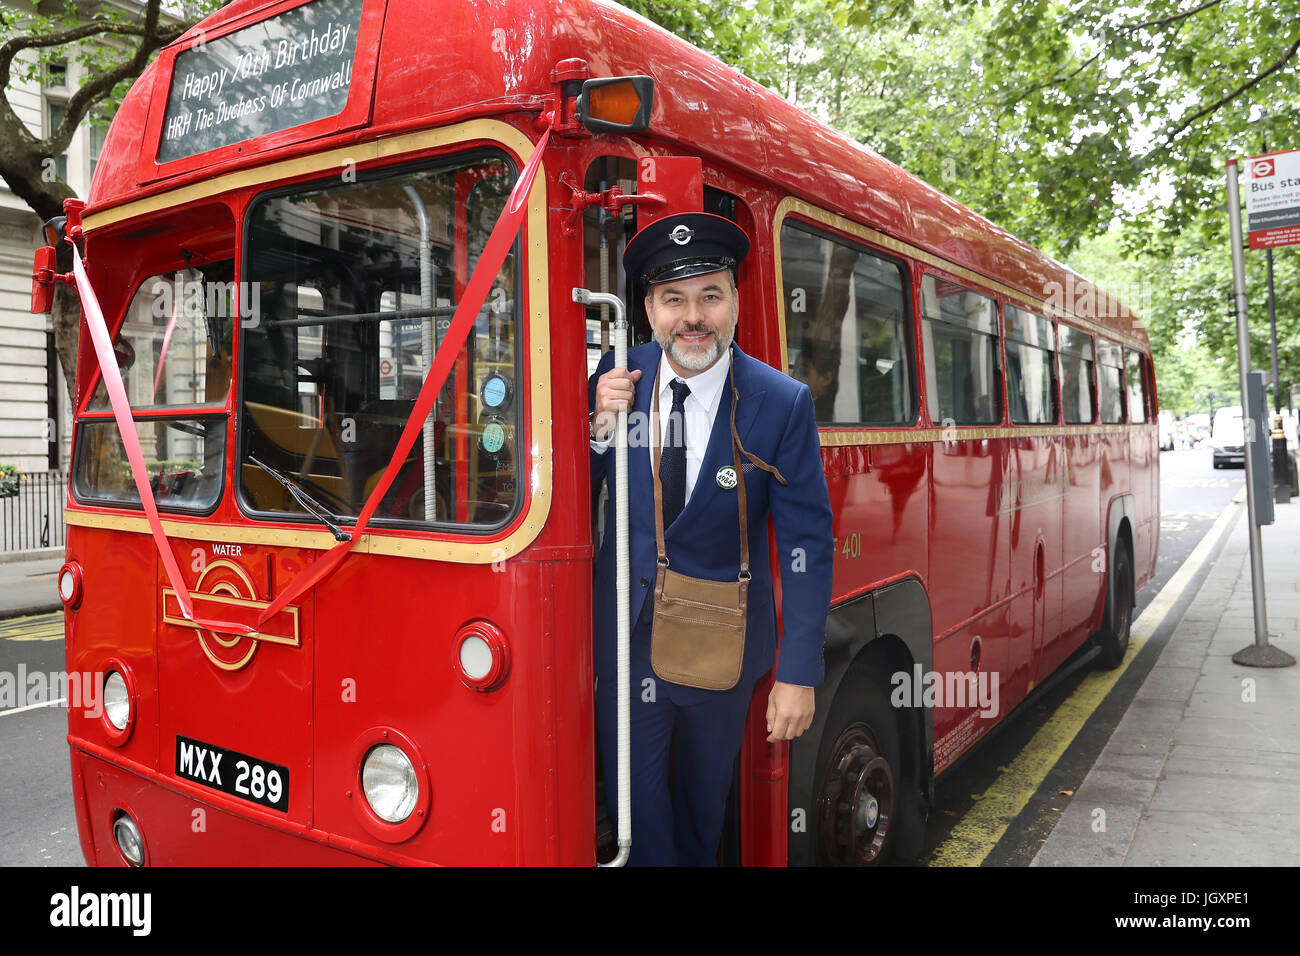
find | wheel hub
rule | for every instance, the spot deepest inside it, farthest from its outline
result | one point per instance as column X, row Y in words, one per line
column 868, row 812
column 857, row 800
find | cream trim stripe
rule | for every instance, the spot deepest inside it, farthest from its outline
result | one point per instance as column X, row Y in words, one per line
column 834, row 437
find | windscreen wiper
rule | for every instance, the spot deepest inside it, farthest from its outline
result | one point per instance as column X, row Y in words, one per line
column 306, row 500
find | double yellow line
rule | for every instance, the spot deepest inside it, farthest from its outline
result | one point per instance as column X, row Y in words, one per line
column 39, row 627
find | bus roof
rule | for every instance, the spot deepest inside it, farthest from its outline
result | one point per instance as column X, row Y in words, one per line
column 700, row 103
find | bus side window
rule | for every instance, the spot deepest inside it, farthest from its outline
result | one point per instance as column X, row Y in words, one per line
column 1076, row 354
column 1110, row 382
column 848, row 332
column 961, row 354
column 1136, row 386
column 1031, row 367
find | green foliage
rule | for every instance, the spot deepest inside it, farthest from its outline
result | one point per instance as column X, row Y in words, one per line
column 10, row 476
column 75, row 44
column 1095, row 129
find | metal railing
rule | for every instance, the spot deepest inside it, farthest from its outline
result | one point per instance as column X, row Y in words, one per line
column 31, row 516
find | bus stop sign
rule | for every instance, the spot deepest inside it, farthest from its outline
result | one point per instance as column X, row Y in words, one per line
column 1273, row 199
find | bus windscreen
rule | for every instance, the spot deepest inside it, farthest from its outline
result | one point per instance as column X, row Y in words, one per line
column 288, row 70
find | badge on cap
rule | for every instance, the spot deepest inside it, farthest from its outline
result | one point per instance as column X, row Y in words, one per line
column 726, row 477
column 682, row 235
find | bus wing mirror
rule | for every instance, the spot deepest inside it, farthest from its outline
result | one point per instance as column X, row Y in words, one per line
column 617, row 104
column 43, row 271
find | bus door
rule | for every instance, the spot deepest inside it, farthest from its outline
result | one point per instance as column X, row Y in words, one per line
column 604, row 237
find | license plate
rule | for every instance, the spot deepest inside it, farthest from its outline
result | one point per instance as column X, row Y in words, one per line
column 231, row 772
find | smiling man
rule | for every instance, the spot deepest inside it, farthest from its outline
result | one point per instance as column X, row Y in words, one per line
column 715, row 406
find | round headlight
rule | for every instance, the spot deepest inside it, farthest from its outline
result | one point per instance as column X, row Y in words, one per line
column 117, row 700
column 389, row 782
column 127, row 837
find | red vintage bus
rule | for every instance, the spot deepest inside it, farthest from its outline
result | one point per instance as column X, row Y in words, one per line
column 359, row 630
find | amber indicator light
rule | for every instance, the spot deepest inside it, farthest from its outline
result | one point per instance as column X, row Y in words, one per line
column 616, row 103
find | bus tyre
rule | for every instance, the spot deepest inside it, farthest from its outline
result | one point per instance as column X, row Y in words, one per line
column 1115, row 625
column 860, row 780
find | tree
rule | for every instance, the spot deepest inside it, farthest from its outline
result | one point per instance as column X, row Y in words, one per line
column 113, row 48
column 1065, row 121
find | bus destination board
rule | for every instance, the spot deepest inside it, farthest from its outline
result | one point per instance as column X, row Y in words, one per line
column 288, row 70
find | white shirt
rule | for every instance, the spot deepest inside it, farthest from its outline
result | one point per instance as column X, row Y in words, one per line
column 701, row 409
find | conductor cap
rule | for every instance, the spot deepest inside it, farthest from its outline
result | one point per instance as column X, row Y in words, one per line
column 687, row 244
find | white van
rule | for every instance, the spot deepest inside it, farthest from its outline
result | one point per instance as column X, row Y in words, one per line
column 1228, row 439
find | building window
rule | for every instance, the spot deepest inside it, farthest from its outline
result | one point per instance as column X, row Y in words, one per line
column 55, row 112
column 97, row 135
column 56, row 74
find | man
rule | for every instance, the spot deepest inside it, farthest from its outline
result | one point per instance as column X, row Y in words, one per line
column 687, row 264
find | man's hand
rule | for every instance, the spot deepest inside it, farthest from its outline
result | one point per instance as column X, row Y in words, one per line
column 789, row 711
column 615, row 391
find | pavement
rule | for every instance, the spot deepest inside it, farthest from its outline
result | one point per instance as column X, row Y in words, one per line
column 29, row 582
column 1204, row 767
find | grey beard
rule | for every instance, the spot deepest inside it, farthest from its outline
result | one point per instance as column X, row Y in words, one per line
column 697, row 362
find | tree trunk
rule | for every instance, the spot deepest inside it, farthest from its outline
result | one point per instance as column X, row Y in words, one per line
column 66, row 315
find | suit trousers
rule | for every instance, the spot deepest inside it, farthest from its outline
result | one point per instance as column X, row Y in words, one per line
column 702, row 730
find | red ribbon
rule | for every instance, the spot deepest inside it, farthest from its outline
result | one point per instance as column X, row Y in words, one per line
column 476, row 292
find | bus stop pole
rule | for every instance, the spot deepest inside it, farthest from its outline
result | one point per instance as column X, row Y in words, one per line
column 1259, row 654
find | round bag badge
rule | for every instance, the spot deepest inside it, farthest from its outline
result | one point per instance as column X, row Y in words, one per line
column 726, row 477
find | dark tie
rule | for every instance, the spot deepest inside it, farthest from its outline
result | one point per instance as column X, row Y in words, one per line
column 672, row 463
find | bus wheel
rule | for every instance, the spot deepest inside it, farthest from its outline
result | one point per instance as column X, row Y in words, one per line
column 857, row 802
column 1113, row 640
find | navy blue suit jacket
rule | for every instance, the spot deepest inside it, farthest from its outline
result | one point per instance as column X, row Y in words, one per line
column 775, row 421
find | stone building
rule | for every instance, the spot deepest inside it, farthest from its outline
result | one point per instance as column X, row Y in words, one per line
column 35, row 414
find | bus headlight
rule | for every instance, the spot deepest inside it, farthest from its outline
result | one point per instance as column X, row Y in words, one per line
column 389, row 782
column 391, row 793
column 117, row 700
